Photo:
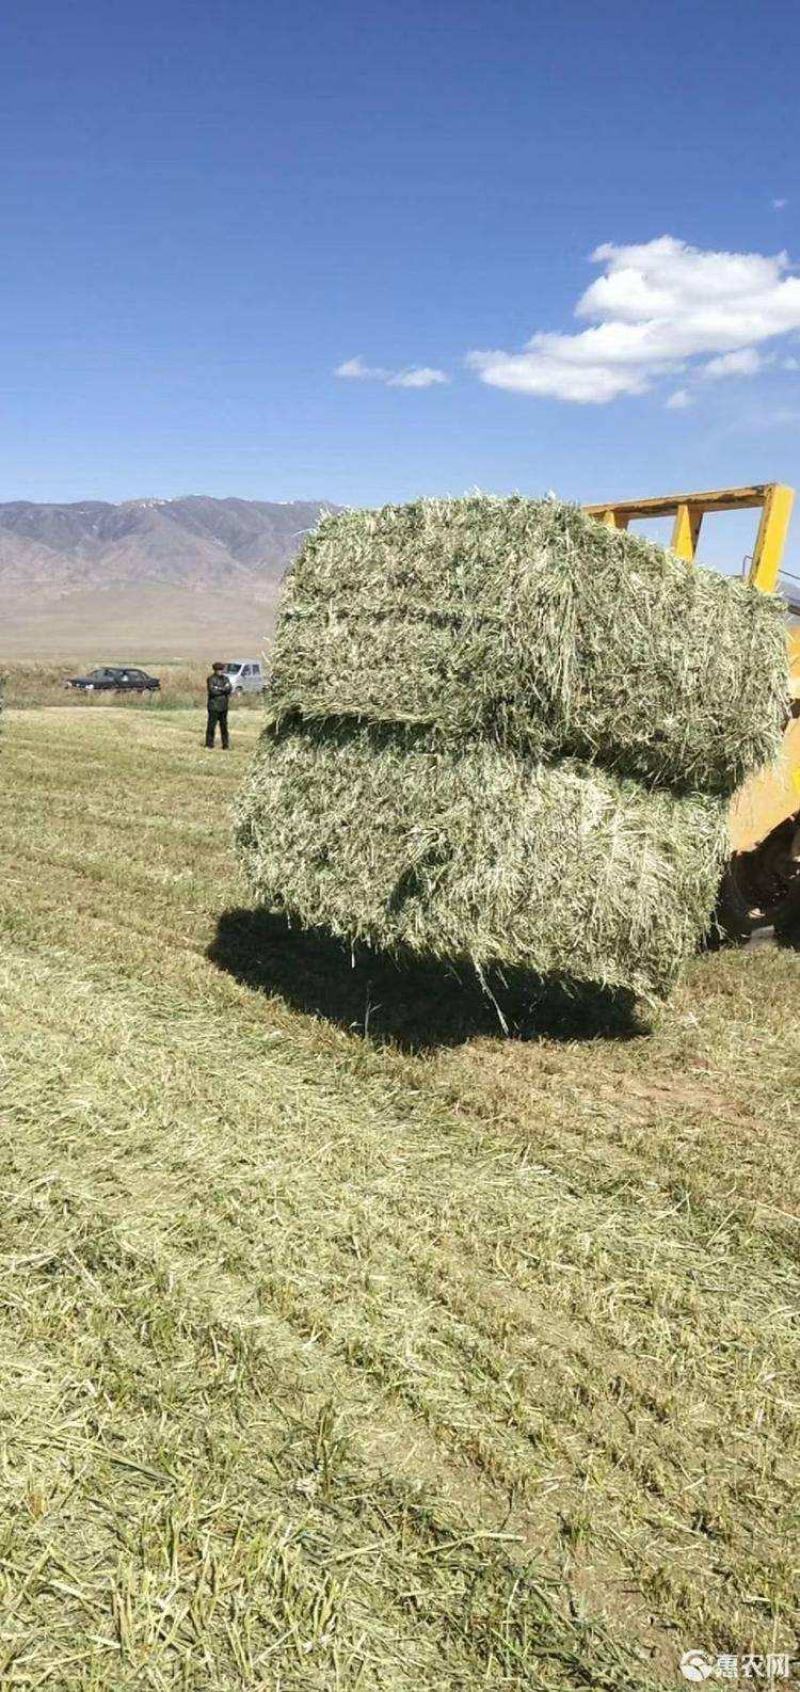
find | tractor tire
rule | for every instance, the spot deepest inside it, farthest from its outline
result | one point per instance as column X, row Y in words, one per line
column 761, row 888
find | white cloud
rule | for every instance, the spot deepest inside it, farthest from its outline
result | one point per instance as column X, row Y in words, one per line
column 748, row 362
column 420, row 377
column 416, row 376
column 358, row 371
column 778, row 205
column 791, row 364
column 657, row 309
column 679, row 400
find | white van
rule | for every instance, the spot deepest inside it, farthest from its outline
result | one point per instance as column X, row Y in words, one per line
column 246, row 676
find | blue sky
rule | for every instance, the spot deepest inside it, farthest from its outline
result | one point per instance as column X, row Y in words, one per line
column 209, row 208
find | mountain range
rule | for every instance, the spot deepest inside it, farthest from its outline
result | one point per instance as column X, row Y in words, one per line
column 149, row 578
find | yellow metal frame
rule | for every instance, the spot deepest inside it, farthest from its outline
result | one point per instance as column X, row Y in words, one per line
column 774, row 500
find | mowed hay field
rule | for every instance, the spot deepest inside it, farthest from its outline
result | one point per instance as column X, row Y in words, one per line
column 346, row 1344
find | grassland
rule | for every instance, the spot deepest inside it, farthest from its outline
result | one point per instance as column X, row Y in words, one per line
column 29, row 683
column 346, row 1344
column 32, row 682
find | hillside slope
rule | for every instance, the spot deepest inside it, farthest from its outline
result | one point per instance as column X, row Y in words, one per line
column 149, row 577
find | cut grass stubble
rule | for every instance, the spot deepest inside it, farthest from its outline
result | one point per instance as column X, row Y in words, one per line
column 334, row 1367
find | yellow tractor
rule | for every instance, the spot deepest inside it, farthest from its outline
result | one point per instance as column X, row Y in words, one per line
column 762, row 883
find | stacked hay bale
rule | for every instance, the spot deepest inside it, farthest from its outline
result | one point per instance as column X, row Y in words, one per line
column 498, row 730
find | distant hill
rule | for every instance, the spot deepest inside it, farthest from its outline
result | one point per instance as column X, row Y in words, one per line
column 147, row 578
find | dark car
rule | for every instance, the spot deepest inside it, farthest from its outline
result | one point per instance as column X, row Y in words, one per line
column 115, row 679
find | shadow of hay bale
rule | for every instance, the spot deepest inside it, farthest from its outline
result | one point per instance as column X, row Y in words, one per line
column 403, row 1000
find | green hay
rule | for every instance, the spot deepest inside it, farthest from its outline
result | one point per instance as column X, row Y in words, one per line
column 391, row 837
column 533, row 625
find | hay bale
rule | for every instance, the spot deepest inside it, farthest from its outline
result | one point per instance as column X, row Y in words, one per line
column 391, row 836
column 498, row 731
column 528, row 623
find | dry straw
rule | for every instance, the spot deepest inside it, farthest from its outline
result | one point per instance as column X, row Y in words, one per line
column 526, row 621
column 499, row 731
column 385, row 836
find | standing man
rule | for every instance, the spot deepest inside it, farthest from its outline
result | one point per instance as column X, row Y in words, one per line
column 218, row 688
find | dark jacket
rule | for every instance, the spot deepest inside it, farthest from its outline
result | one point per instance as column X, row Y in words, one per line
column 218, row 687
